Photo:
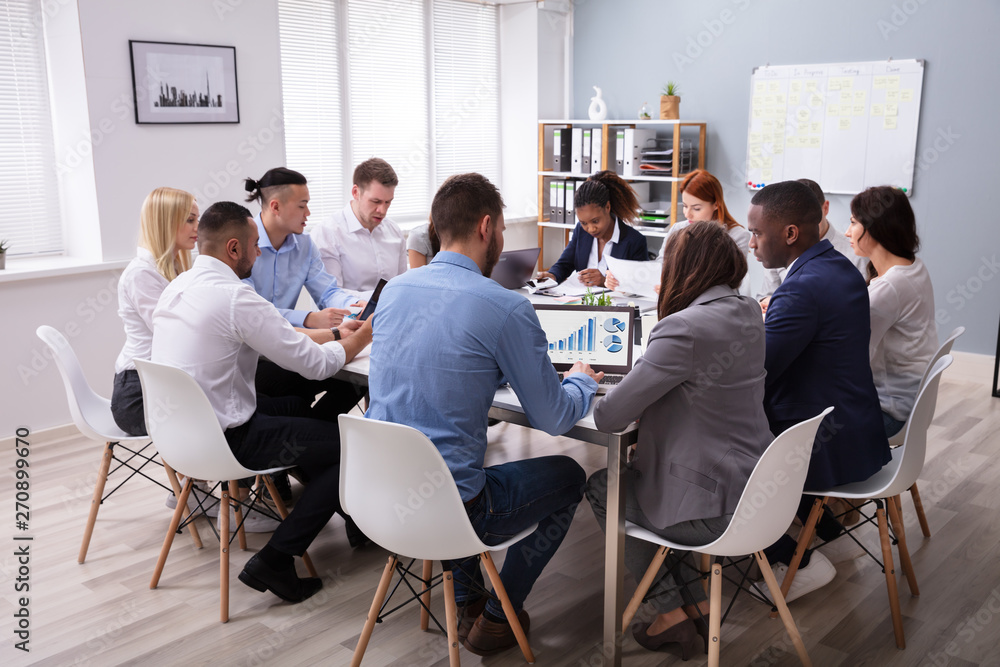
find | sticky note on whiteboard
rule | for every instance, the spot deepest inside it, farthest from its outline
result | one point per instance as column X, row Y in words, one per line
column 906, row 95
column 891, row 109
column 878, row 110
column 889, row 122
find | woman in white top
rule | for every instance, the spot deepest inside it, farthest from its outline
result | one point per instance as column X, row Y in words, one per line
column 421, row 245
column 904, row 335
column 702, row 200
column 168, row 233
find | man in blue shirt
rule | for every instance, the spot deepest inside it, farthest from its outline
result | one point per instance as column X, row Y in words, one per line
column 445, row 338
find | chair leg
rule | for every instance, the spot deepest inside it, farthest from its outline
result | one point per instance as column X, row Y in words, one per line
column 706, row 569
column 224, row 553
column 234, row 498
column 715, row 616
column 919, row 508
column 366, row 632
column 647, row 581
column 283, row 513
column 425, row 597
column 95, row 501
column 508, row 608
column 450, row 617
column 169, row 539
column 176, row 486
column 779, row 601
column 890, row 577
column 805, row 539
column 904, row 553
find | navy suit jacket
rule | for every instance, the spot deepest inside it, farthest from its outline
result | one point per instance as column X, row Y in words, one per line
column 631, row 245
column 818, row 327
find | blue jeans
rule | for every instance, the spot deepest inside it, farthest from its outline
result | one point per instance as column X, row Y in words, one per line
column 518, row 494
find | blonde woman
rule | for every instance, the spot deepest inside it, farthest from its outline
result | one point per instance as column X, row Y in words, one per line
column 168, row 233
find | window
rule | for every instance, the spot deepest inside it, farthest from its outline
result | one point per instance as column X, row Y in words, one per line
column 27, row 150
column 412, row 81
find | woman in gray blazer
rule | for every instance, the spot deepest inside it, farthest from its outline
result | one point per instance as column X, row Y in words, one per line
column 698, row 394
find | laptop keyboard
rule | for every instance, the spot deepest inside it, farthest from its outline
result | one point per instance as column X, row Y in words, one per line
column 606, row 381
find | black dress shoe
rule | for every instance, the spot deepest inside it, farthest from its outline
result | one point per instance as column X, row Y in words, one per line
column 355, row 537
column 284, row 583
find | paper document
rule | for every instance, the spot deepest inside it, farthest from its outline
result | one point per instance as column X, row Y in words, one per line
column 635, row 277
column 573, row 287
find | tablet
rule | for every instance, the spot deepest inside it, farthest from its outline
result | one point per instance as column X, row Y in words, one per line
column 372, row 302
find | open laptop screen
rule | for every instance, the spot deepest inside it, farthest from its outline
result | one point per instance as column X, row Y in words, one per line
column 598, row 335
column 515, row 267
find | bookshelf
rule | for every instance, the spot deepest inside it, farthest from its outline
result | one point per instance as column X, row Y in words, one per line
column 664, row 129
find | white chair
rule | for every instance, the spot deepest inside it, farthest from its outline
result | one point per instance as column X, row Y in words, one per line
column 765, row 510
column 883, row 489
column 398, row 489
column 189, row 436
column 92, row 415
column 897, row 440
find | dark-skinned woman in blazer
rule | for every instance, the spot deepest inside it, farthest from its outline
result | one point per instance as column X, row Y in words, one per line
column 605, row 205
column 698, row 393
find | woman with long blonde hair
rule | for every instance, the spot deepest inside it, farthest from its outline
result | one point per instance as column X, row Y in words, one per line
column 168, row 233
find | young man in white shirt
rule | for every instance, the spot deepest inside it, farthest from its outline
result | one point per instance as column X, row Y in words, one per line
column 360, row 245
column 214, row 326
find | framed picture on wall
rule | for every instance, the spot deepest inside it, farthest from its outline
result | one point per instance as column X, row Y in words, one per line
column 184, row 83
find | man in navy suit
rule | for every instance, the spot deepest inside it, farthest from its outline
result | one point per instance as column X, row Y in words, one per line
column 817, row 332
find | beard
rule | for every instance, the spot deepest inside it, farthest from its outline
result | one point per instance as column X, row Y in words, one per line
column 492, row 256
column 244, row 267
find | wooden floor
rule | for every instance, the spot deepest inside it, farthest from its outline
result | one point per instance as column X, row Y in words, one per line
column 103, row 612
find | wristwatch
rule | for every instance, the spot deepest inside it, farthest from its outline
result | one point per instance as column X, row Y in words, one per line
column 336, row 333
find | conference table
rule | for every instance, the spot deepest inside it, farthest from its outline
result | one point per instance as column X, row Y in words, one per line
column 507, row 408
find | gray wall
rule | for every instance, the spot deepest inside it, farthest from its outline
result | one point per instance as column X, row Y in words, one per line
column 630, row 48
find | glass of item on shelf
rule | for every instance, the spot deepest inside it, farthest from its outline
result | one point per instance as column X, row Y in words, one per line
column 645, row 112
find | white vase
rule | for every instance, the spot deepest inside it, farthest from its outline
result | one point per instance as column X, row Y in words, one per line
column 598, row 109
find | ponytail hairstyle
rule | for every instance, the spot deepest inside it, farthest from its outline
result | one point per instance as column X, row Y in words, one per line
column 272, row 185
column 163, row 213
column 886, row 215
column 697, row 257
column 607, row 186
column 707, row 187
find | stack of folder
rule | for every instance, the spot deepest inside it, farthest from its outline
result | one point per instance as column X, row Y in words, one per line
column 659, row 159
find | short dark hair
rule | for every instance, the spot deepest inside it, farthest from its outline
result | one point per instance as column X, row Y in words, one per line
column 790, row 203
column 272, row 184
column 607, row 186
column 461, row 202
column 223, row 219
column 697, row 257
column 375, row 169
column 885, row 214
column 816, row 189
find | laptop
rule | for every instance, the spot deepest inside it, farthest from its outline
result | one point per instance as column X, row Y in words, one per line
column 601, row 336
column 515, row 267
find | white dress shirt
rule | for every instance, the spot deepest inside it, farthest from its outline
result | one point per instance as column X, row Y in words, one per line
column 356, row 257
column 602, row 264
column 773, row 277
column 214, row 326
column 139, row 288
column 736, row 233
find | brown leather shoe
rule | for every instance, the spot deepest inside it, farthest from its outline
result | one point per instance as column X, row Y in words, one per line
column 488, row 637
column 467, row 617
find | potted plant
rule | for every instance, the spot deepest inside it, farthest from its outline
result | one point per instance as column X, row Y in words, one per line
column 4, row 245
column 670, row 102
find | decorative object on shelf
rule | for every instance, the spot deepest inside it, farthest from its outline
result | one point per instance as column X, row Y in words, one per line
column 645, row 112
column 670, row 102
column 598, row 109
column 4, row 245
column 184, row 83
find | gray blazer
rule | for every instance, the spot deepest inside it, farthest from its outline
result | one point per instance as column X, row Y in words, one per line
column 699, row 390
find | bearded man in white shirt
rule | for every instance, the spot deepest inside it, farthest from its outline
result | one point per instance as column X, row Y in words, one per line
column 360, row 245
column 214, row 326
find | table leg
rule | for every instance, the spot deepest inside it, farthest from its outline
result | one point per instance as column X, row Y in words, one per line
column 614, row 556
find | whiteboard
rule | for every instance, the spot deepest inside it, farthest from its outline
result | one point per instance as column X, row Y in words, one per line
column 847, row 126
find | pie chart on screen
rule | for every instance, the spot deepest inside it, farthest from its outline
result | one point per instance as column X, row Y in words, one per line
column 614, row 325
column 613, row 343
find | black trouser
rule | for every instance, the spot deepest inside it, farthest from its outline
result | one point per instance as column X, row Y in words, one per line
column 281, row 433
column 274, row 381
column 126, row 403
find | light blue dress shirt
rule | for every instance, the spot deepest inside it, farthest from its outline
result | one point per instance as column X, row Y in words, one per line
column 445, row 338
column 279, row 276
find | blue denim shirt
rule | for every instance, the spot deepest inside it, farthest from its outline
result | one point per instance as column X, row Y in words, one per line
column 445, row 338
column 279, row 275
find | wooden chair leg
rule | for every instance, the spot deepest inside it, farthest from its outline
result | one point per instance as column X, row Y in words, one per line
column 95, row 500
column 176, row 486
column 706, row 569
column 283, row 513
column 508, row 608
column 715, row 616
column 366, row 632
column 779, row 601
column 425, row 597
column 224, row 552
column 169, row 539
column 234, row 499
column 919, row 508
column 805, row 539
column 647, row 581
column 451, row 617
column 904, row 553
column 890, row 577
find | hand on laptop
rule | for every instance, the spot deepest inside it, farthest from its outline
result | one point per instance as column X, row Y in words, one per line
column 580, row 367
column 326, row 318
column 591, row 277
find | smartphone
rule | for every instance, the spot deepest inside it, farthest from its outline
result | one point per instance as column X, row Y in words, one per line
column 373, row 301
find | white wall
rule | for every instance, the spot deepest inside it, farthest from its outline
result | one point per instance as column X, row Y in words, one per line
column 128, row 161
